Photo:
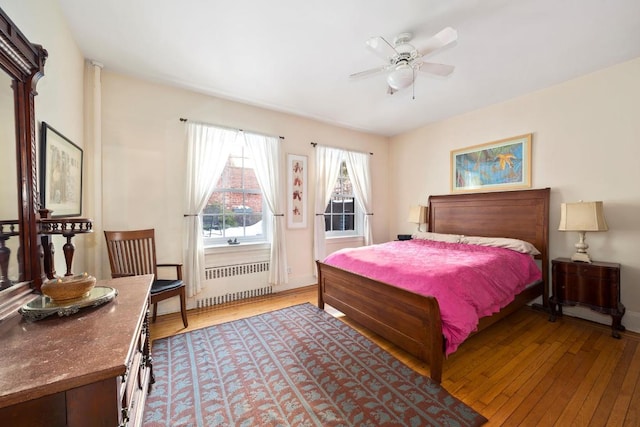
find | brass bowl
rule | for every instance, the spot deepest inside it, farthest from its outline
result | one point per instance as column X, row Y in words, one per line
column 68, row 287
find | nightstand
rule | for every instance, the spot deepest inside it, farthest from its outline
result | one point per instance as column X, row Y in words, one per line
column 595, row 285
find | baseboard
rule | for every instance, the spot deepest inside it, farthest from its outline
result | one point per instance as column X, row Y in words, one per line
column 296, row 282
column 631, row 319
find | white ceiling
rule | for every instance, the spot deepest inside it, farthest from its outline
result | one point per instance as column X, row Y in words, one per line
column 295, row 56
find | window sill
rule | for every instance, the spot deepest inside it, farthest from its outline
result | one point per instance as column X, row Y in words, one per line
column 345, row 239
column 241, row 247
column 236, row 254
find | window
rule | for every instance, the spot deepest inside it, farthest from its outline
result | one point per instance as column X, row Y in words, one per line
column 235, row 208
column 341, row 212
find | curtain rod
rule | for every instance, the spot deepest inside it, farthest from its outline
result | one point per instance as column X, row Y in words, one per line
column 227, row 127
column 340, row 148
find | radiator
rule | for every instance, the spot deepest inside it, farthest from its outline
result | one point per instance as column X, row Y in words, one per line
column 228, row 283
column 235, row 270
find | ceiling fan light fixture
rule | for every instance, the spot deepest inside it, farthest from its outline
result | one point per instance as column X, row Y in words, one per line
column 402, row 59
column 401, row 77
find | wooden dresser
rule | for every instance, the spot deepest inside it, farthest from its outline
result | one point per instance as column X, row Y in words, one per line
column 92, row 368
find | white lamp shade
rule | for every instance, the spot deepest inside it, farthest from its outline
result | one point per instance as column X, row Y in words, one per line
column 418, row 214
column 582, row 216
column 401, row 77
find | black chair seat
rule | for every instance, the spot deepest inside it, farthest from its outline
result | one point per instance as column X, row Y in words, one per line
column 162, row 285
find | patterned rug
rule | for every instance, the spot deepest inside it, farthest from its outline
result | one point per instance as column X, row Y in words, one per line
column 298, row 366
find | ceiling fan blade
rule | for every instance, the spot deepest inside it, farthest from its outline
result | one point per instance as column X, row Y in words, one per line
column 437, row 69
column 381, row 47
column 440, row 40
column 369, row 72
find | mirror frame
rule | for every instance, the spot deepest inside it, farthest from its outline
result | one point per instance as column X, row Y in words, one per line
column 24, row 63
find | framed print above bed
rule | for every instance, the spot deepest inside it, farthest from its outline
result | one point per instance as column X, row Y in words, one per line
column 296, row 191
column 60, row 173
column 494, row 166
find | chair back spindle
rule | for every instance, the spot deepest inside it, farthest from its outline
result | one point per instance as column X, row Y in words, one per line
column 132, row 253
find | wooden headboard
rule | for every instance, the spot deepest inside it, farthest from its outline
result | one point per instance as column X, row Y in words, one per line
column 520, row 215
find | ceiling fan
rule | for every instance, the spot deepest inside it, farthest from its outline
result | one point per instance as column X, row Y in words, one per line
column 403, row 60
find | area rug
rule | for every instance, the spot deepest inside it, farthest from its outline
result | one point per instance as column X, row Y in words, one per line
column 297, row 366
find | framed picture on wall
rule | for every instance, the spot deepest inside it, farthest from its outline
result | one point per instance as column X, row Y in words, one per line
column 60, row 173
column 497, row 165
column 296, row 191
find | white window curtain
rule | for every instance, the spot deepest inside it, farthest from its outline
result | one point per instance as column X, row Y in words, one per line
column 265, row 151
column 208, row 149
column 328, row 161
column 359, row 168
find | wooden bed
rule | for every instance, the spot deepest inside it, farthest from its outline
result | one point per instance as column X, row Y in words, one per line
column 412, row 321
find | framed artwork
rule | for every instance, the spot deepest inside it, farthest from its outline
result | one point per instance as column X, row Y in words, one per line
column 60, row 173
column 296, row 191
column 498, row 165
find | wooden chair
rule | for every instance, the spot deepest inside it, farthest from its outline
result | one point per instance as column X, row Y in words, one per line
column 133, row 253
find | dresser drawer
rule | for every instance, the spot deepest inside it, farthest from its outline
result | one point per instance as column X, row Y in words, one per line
column 130, row 380
column 135, row 381
column 139, row 397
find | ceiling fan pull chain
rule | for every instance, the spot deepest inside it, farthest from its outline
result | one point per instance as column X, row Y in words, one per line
column 413, row 84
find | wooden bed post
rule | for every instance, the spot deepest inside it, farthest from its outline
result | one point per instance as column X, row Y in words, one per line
column 437, row 351
column 320, row 299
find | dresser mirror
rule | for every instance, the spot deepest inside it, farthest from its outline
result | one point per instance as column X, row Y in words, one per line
column 9, row 212
column 22, row 64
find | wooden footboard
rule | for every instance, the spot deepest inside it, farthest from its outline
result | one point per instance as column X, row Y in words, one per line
column 408, row 320
column 413, row 322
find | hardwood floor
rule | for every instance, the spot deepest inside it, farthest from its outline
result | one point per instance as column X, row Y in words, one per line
column 522, row 371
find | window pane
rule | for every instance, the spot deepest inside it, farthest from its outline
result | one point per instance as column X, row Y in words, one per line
column 349, row 222
column 348, row 205
column 235, row 208
column 340, row 211
column 337, row 205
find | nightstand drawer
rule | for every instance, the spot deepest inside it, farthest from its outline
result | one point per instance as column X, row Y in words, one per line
column 589, row 271
column 589, row 290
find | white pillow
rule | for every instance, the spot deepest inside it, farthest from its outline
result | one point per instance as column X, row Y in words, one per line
column 502, row 242
column 438, row 237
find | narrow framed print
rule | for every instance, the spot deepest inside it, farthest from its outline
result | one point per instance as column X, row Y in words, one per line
column 494, row 166
column 60, row 173
column 296, row 191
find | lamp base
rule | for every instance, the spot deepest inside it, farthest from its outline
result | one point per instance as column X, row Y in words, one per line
column 581, row 254
column 581, row 257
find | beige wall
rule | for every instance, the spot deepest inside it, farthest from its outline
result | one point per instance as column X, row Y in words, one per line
column 586, row 146
column 143, row 148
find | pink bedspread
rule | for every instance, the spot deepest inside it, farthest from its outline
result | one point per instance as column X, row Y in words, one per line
column 468, row 281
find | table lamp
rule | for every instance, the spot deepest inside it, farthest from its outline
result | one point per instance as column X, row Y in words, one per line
column 582, row 217
column 418, row 215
